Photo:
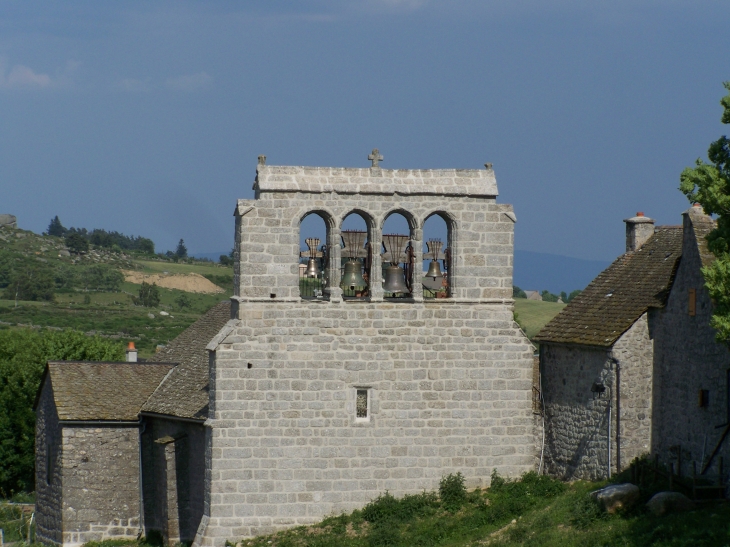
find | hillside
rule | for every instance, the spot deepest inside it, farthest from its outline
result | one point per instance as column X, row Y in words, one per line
column 95, row 291
column 532, row 315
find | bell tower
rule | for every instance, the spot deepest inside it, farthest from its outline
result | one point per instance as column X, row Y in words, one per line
column 322, row 399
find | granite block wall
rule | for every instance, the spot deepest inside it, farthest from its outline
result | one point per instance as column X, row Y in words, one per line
column 100, row 478
column 447, row 383
column 49, row 516
column 687, row 360
column 576, row 436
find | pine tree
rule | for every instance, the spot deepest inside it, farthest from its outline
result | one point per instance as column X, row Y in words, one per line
column 55, row 228
column 182, row 250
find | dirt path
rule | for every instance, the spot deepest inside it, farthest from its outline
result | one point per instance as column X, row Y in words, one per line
column 185, row 282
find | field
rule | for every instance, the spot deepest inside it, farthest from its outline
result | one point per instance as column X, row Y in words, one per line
column 534, row 314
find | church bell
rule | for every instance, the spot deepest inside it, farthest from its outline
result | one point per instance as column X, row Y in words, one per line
column 395, row 280
column 312, row 270
column 434, row 270
column 352, row 278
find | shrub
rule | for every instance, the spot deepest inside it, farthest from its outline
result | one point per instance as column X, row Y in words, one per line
column 452, row 491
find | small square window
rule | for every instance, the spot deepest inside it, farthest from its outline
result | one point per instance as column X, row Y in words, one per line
column 362, row 404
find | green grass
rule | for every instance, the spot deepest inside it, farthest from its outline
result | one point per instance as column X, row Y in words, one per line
column 534, row 314
column 535, row 511
column 202, row 268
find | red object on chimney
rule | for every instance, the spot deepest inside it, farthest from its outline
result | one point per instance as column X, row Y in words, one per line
column 640, row 214
column 131, row 346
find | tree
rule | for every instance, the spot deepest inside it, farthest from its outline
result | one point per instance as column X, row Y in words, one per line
column 77, row 243
column 23, row 356
column 183, row 301
column 182, row 250
column 55, row 228
column 30, row 282
column 547, row 296
column 572, row 295
column 149, row 295
column 517, row 292
column 709, row 185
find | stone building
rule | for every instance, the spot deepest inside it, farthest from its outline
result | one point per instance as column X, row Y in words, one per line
column 303, row 406
column 97, row 422
column 624, row 365
column 87, row 449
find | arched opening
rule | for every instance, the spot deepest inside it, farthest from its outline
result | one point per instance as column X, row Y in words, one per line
column 356, row 257
column 313, row 255
column 398, row 257
column 436, row 267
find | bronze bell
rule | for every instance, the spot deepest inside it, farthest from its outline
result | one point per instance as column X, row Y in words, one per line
column 434, row 270
column 352, row 279
column 312, row 270
column 395, row 280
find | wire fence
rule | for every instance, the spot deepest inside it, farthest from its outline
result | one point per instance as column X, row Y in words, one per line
column 17, row 522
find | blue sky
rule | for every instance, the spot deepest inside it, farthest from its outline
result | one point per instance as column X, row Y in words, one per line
column 147, row 118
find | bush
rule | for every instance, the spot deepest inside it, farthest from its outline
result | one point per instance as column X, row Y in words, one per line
column 77, row 243
column 31, row 283
column 452, row 491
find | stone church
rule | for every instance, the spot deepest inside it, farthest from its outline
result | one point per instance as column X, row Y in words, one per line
column 303, row 397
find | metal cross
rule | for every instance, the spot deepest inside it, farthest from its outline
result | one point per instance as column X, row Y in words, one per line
column 375, row 157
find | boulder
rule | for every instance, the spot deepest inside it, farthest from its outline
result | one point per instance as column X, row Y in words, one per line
column 617, row 496
column 64, row 252
column 9, row 220
column 669, row 502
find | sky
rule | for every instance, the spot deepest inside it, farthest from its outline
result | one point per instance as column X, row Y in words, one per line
column 147, row 118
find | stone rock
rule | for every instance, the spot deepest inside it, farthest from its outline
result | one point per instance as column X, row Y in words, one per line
column 164, row 313
column 151, row 315
column 9, row 220
column 19, row 235
column 617, row 496
column 669, row 502
column 64, row 252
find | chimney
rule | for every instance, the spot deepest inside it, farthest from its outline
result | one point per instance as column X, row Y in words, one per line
column 131, row 353
column 638, row 230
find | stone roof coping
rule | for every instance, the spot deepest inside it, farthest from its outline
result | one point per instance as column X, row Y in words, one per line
column 375, row 180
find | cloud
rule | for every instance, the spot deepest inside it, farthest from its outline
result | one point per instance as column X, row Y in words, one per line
column 189, row 82
column 133, row 85
column 22, row 77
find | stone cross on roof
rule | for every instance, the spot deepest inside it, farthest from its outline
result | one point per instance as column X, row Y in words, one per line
column 375, row 157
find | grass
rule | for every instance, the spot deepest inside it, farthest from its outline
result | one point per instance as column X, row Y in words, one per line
column 533, row 511
column 534, row 314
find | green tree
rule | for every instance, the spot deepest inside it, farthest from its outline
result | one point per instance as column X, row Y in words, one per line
column 30, row 282
column 547, row 296
column 101, row 277
column 572, row 295
column 149, row 295
column 709, row 185
column 517, row 292
column 55, row 228
column 77, row 243
column 23, row 356
column 183, row 301
column 182, row 250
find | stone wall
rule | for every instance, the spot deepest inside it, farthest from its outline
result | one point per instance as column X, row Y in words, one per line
column 174, row 475
column 447, row 383
column 576, row 444
column 49, row 518
column 100, row 470
column 688, row 360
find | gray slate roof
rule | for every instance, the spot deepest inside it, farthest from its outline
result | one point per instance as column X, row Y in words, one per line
column 613, row 301
column 84, row 390
column 184, row 393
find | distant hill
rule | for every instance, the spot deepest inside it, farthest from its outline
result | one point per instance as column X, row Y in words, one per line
column 540, row 271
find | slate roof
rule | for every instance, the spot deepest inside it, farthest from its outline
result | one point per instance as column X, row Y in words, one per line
column 84, row 390
column 613, row 301
column 184, row 393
